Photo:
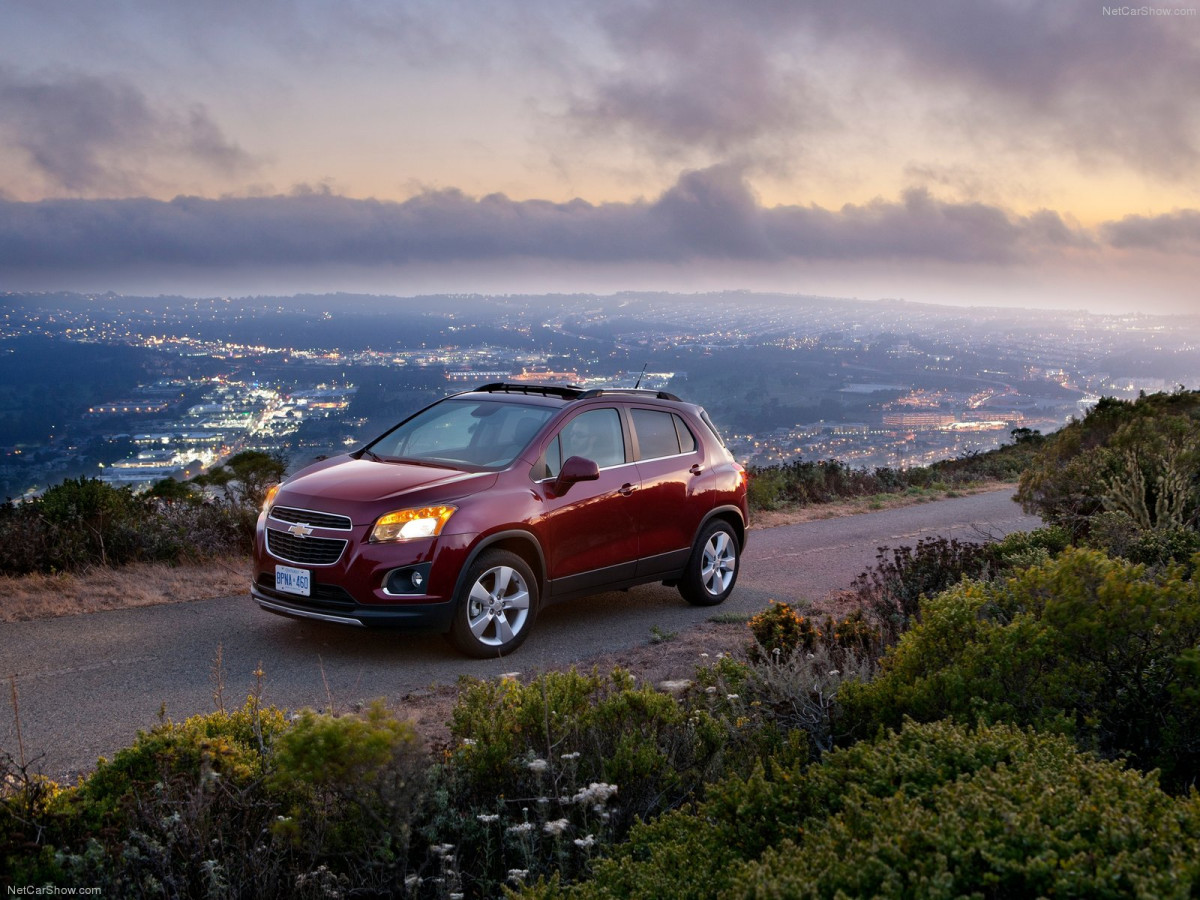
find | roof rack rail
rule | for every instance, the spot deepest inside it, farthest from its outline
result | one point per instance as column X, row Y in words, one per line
column 569, row 392
column 601, row 392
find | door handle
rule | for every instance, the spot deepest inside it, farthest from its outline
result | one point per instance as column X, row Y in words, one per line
column 696, row 469
column 626, row 489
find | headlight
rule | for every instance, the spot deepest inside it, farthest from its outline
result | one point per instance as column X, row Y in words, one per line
column 407, row 524
column 270, row 497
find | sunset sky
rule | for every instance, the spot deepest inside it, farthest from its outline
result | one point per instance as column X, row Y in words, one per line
column 1010, row 152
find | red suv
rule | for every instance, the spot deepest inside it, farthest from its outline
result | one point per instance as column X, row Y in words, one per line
column 477, row 511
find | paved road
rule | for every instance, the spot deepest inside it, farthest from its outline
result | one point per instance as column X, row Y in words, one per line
column 87, row 683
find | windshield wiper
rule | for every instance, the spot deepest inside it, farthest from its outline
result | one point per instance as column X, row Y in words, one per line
column 420, row 462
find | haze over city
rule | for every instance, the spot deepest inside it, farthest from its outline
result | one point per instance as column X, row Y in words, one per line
column 992, row 153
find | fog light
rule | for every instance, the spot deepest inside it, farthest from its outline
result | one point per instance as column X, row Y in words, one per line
column 407, row 581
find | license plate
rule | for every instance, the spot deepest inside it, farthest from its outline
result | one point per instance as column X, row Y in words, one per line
column 293, row 581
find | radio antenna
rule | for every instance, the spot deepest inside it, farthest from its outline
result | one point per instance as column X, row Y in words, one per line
column 637, row 383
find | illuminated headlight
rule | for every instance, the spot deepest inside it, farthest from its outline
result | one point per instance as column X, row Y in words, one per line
column 270, row 497
column 407, row 524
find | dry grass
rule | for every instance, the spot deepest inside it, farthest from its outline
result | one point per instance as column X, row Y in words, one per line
column 792, row 515
column 140, row 584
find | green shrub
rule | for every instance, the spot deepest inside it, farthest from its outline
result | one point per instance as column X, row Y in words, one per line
column 1083, row 645
column 565, row 730
column 177, row 809
column 781, row 629
column 226, row 746
column 246, row 804
column 543, row 776
column 84, row 522
column 934, row 810
column 81, row 522
column 1036, row 819
column 352, row 786
column 892, row 591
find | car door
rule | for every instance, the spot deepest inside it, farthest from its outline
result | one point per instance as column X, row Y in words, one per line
column 669, row 507
column 591, row 537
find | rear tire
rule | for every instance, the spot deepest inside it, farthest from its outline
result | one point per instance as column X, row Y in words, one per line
column 496, row 605
column 713, row 567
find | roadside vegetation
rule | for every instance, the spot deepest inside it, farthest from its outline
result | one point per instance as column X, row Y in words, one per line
column 85, row 523
column 1015, row 719
column 804, row 483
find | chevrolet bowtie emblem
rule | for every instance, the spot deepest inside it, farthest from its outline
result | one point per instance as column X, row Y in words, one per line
column 300, row 530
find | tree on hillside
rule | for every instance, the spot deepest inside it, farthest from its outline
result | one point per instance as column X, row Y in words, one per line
column 245, row 477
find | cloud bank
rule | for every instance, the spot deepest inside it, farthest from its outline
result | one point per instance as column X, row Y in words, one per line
column 1017, row 77
column 707, row 215
column 91, row 135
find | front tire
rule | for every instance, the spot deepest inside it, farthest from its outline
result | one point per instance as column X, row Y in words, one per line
column 713, row 567
column 496, row 605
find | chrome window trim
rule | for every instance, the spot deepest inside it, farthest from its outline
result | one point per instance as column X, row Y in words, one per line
column 650, row 459
column 601, row 469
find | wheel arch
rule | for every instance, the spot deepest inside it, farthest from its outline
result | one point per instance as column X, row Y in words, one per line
column 729, row 514
column 522, row 543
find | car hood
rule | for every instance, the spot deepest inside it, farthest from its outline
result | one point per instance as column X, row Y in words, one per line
column 362, row 488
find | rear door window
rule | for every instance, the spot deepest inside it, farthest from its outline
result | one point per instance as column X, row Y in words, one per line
column 656, row 433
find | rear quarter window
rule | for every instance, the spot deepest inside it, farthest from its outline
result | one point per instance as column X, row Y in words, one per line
column 661, row 433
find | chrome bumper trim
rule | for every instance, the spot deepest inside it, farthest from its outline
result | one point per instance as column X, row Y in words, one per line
column 307, row 614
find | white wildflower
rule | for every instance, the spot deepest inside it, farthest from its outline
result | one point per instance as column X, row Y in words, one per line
column 557, row 827
column 523, row 828
column 517, row 875
column 538, row 766
column 469, row 742
column 574, row 755
column 441, row 849
column 710, row 690
column 488, row 818
column 585, row 843
column 731, row 696
column 597, row 793
column 834, row 672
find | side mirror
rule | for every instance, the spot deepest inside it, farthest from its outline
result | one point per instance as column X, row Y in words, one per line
column 575, row 469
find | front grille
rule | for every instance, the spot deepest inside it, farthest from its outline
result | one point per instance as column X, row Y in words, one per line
column 311, row 517
column 309, row 551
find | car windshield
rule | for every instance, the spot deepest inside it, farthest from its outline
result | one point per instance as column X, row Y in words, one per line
column 463, row 434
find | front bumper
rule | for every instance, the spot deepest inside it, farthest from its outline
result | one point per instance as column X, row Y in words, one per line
column 415, row 616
